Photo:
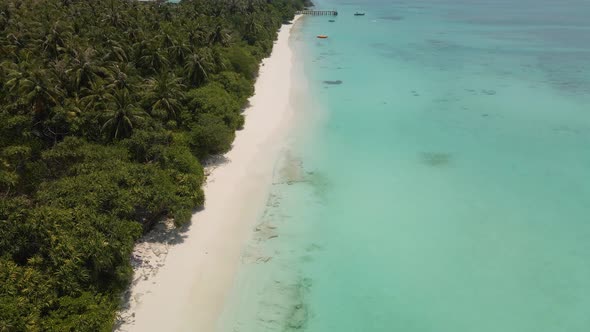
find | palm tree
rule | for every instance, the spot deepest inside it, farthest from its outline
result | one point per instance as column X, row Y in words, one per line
column 34, row 86
column 96, row 97
column 165, row 95
column 115, row 51
column 220, row 35
column 4, row 15
column 56, row 39
column 59, row 69
column 114, row 14
column 218, row 59
column 178, row 52
column 10, row 45
column 236, row 6
column 154, row 61
column 122, row 115
column 140, row 48
column 86, row 68
column 197, row 67
column 119, row 76
column 252, row 29
column 197, row 33
column 167, row 41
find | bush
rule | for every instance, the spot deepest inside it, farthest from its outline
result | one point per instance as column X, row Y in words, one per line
column 236, row 84
column 210, row 135
column 243, row 62
column 215, row 101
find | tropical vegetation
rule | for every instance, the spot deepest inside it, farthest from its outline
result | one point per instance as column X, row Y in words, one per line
column 108, row 109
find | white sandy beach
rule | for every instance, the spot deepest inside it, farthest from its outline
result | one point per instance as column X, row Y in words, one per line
column 182, row 287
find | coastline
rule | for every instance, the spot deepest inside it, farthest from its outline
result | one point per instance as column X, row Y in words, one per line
column 182, row 277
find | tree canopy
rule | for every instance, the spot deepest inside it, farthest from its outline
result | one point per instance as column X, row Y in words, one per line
column 107, row 110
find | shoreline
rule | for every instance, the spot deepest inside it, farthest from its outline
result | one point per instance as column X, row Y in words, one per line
column 182, row 276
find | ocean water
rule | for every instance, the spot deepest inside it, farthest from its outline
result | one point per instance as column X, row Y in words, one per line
column 438, row 178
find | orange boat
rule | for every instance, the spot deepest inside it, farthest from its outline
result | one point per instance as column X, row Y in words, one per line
column 322, row 36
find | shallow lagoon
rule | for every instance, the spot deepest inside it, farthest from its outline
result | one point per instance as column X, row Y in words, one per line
column 441, row 185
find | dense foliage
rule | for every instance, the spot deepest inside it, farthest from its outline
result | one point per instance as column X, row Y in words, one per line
column 107, row 108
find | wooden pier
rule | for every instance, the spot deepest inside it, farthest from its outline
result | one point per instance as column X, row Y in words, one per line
column 318, row 12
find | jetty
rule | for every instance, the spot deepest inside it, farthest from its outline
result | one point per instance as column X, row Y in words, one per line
column 318, row 12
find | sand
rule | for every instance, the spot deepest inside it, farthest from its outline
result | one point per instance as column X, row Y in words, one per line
column 182, row 276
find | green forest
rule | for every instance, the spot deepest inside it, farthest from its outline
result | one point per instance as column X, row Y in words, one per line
column 108, row 109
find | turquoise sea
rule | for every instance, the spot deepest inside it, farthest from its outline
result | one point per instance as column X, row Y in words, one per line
column 439, row 176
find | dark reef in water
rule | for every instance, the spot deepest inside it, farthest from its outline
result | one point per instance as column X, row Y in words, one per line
column 436, row 159
column 298, row 314
column 337, row 82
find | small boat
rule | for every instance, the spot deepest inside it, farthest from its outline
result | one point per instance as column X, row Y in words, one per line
column 359, row 14
column 322, row 36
